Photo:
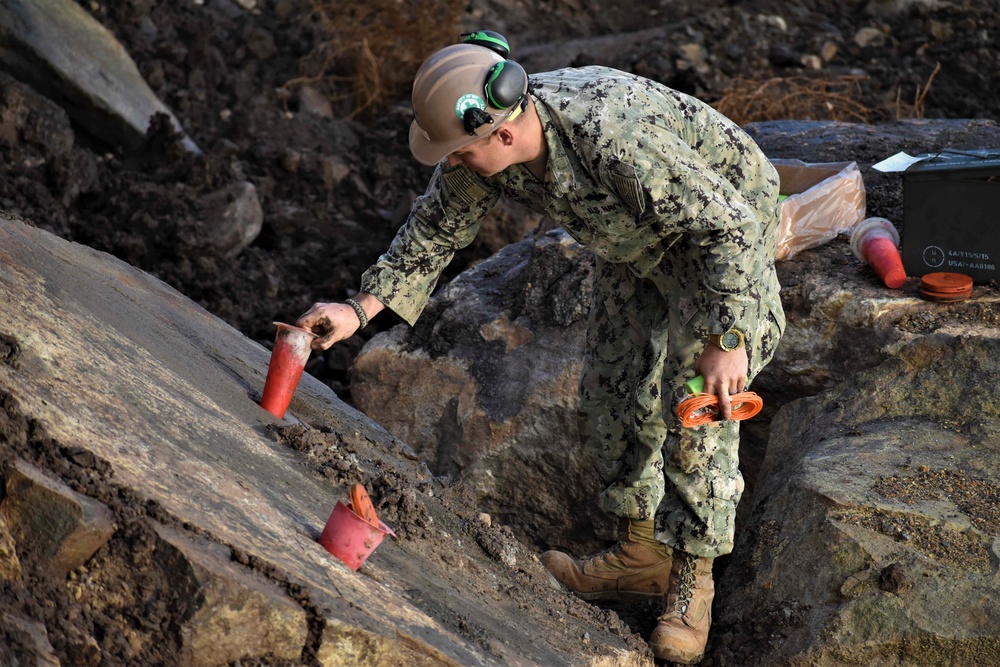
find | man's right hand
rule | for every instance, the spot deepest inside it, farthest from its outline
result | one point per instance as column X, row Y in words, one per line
column 334, row 322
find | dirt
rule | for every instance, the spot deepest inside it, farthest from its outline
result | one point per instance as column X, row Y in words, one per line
column 224, row 72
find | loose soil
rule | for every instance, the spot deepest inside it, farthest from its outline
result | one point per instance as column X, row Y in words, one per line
column 225, row 72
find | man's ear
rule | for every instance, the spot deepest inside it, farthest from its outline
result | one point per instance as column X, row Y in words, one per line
column 505, row 136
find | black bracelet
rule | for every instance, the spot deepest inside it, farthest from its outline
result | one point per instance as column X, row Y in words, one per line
column 362, row 317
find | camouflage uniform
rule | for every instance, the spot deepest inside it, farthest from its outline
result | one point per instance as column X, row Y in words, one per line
column 680, row 209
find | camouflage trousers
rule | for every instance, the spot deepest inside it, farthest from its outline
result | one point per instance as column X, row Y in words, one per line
column 639, row 355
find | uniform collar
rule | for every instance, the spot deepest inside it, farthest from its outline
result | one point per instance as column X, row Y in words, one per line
column 559, row 178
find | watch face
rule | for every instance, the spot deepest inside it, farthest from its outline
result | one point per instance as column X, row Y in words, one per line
column 730, row 340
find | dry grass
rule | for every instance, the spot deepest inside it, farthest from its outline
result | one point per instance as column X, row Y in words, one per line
column 374, row 48
column 916, row 110
column 794, row 98
column 813, row 98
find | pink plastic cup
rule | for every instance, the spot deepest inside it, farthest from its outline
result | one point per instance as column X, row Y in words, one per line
column 288, row 358
column 349, row 537
column 875, row 241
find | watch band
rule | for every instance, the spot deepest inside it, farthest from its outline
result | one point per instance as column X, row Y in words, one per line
column 359, row 311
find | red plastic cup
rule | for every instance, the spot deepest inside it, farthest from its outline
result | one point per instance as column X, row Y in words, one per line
column 876, row 242
column 288, row 358
column 350, row 538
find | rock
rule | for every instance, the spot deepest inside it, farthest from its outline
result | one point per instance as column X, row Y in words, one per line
column 941, row 31
column 165, row 395
column 840, row 326
column 233, row 615
column 60, row 50
column 53, row 525
column 891, row 481
column 234, row 217
column 10, row 565
column 775, row 21
column 782, row 55
column 694, row 57
column 894, row 577
column 828, row 51
column 32, row 636
column 485, row 385
column 869, row 36
column 84, row 651
column 886, row 8
column 33, row 121
column 333, row 170
column 813, row 62
column 553, row 54
column 310, row 100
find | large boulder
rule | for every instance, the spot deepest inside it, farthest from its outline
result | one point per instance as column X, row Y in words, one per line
column 56, row 47
column 874, row 535
column 485, row 386
column 130, row 403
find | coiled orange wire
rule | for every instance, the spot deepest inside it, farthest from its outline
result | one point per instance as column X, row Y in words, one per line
column 699, row 409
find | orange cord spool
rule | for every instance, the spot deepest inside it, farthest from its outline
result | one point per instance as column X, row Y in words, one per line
column 700, row 408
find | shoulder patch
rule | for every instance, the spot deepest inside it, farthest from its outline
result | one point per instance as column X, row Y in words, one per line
column 463, row 185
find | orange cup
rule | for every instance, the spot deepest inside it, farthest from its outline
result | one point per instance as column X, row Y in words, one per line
column 349, row 537
column 288, row 359
column 876, row 242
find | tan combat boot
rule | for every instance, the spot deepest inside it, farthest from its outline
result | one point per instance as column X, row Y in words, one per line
column 682, row 632
column 636, row 568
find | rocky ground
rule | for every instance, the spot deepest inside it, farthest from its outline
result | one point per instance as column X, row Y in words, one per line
column 334, row 188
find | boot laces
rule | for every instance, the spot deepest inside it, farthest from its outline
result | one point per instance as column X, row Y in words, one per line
column 611, row 557
column 685, row 584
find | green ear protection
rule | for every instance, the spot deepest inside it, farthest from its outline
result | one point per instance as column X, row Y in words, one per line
column 493, row 41
column 506, row 82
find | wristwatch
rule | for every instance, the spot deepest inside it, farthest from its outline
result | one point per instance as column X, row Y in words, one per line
column 729, row 341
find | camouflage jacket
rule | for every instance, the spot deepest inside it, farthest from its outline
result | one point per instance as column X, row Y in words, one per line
column 633, row 166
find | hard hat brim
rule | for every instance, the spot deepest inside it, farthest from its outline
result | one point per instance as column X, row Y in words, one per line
column 429, row 152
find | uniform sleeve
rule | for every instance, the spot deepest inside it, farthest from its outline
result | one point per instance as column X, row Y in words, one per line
column 446, row 218
column 683, row 193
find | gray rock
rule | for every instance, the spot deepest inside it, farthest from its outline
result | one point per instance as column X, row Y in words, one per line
column 885, row 8
column 60, row 50
column 234, row 218
column 114, row 362
column 60, row 528
column 485, row 386
column 869, row 36
column 33, row 634
column 875, row 520
column 234, row 615
column 311, row 100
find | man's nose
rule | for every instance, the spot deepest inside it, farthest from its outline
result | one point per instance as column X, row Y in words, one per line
column 454, row 160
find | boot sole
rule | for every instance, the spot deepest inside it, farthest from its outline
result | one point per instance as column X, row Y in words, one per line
column 605, row 596
column 673, row 655
column 617, row 596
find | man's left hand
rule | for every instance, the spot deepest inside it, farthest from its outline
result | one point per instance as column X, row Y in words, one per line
column 725, row 373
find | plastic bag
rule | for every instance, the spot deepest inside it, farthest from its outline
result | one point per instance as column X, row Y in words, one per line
column 823, row 200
